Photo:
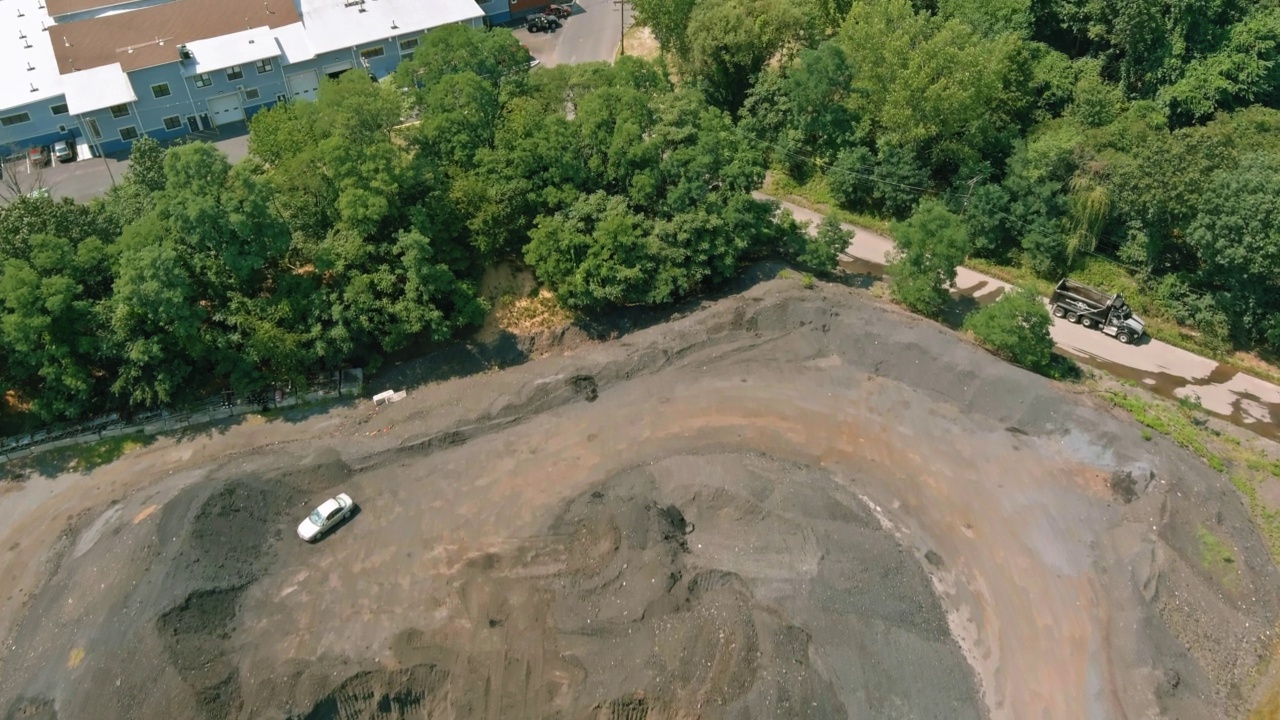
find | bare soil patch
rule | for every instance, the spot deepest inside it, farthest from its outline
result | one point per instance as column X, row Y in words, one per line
column 790, row 503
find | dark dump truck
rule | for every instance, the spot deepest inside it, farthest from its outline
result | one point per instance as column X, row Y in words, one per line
column 1093, row 308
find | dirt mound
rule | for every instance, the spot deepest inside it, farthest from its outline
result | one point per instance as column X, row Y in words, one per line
column 32, row 709
column 791, row 504
column 412, row 692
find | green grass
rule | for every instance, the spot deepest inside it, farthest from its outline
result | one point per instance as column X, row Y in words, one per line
column 814, row 195
column 1217, row 558
column 1247, row 467
column 96, row 454
column 74, row 458
column 1174, row 421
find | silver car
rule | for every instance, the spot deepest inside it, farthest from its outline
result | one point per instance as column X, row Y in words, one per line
column 324, row 518
column 64, row 151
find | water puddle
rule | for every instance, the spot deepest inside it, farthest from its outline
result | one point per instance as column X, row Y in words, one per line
column 1225, row 392
column 858, row 266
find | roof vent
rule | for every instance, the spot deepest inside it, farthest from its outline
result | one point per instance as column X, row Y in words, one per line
column 184, row 53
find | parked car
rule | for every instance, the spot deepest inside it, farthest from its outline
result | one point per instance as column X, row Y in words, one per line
column 64, row 151
column 325, row 517
column 38, row 156
column 541, row 23
column 559, row 11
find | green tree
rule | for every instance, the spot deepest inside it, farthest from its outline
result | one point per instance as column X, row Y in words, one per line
column 900, row 181
column 50, row 334
column 929, row 247
column 600, row 252
column 936, row 88
column 1015, row 327
column 729, row 42
column 493, row 55
column 821, row 250
column 669, row 22
column 852, row 179
column 1237, row 235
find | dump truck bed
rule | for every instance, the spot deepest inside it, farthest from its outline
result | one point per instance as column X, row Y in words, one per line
column 1081, row 293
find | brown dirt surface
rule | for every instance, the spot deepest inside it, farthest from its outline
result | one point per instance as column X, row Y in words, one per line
column 788, row 503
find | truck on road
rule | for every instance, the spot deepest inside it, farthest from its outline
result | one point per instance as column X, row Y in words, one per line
column 1096, row 309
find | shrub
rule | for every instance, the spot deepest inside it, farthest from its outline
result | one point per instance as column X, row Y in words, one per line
column 1015, row 327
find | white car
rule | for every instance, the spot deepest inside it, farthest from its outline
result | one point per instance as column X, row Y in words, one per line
column 330, row 513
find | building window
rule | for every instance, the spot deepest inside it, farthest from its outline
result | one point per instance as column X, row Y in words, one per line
column 62, row 129
column 252, row 94
column 282, row 98
column 129, row 133
column 373, row 52
column 173, row 122
column 407, row 45
column 234, row 73
column 59, row 109
column 9, row 120
column 264, row 66
column 203, row 80
column 160, row 91
column 94, row 130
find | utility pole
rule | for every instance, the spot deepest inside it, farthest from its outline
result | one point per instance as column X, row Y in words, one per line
column 967, row 195
column 622, row 26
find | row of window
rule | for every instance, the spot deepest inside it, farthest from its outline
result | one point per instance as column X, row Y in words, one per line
column 203, row 80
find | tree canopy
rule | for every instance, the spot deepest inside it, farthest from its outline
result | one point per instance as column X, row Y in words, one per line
column 361, row 223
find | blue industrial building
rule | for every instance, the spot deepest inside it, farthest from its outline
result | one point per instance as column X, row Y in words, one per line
column 103, row 73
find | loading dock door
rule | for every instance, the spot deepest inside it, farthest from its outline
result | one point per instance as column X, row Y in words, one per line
column 303, row 85
column 335, row 70
column 226, row 109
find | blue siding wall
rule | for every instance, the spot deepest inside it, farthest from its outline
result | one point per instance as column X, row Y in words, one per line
column 42, row 129
column 148, row 113
column 268, row 84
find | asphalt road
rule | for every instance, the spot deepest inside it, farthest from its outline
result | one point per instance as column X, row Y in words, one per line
column 90, row 177
column 592, row 33
column 1164, row 368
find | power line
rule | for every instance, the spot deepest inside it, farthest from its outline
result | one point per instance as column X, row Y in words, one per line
column 930, row 191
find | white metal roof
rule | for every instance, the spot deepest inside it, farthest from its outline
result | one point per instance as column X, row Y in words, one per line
column 97, row 88
column 26, row 57
column 224, row 51
column 293, row 42
column 335, row 24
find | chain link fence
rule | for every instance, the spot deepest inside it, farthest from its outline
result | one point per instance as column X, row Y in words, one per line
column 321, row 386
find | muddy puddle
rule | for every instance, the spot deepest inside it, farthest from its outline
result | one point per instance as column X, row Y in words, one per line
column 1214, row 393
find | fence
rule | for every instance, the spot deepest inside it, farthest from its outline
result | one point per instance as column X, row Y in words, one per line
column 338, row 383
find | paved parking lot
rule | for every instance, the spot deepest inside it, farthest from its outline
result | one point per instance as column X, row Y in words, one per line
column 89, row 177
column 592, row 33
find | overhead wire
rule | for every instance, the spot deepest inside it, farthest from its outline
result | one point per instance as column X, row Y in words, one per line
column 829, row 168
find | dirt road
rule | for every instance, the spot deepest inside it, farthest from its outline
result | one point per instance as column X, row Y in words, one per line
column 1167, row 369
column 790, row 504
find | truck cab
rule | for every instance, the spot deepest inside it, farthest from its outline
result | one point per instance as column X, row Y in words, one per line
column 1122, row 324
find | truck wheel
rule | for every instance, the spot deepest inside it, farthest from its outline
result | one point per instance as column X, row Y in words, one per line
column 1124, row 338
column 1058, row 311
column 1087, row 322
column 1073, row 317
